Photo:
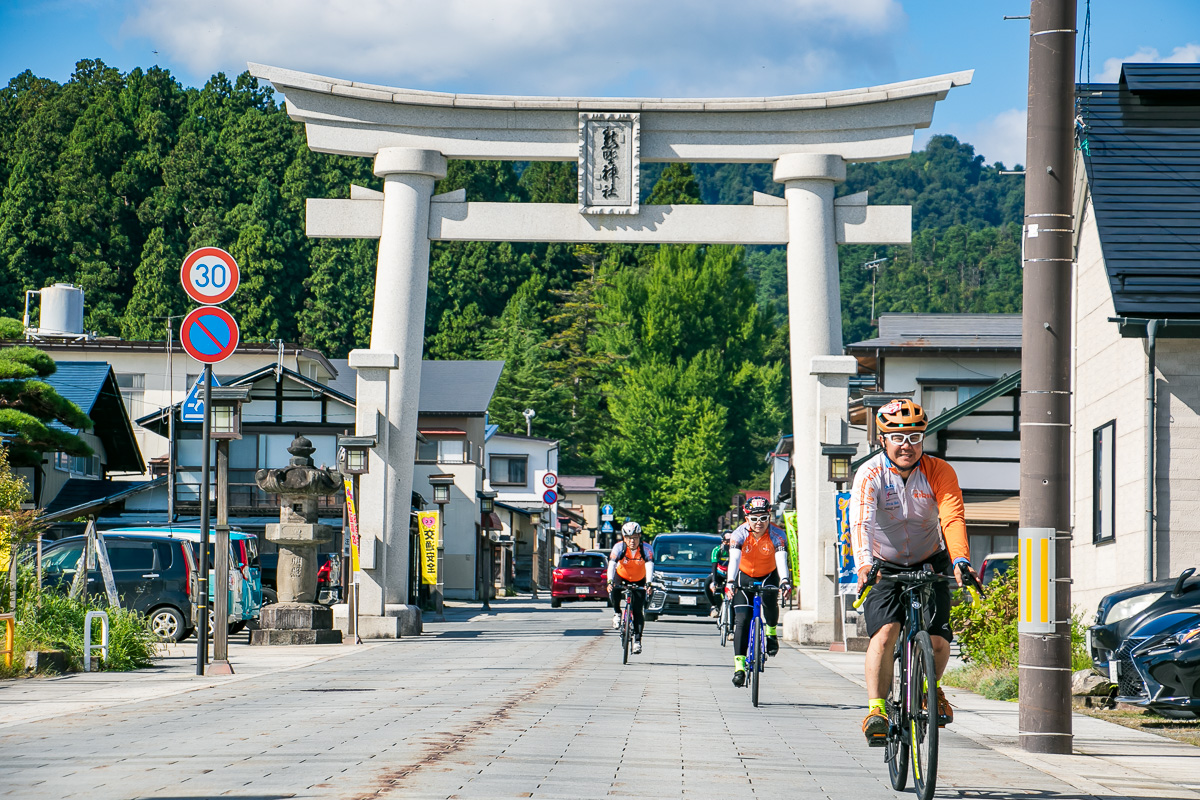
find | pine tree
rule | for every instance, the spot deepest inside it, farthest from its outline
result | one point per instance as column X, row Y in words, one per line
column 156, row 291
column 28, row 406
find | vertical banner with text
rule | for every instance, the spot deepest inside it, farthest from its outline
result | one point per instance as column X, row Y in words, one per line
column 352, row 512
column 847, row 576
column 427, row 522
column 792, row 527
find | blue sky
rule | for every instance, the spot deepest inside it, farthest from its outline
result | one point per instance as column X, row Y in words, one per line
column 623, row 47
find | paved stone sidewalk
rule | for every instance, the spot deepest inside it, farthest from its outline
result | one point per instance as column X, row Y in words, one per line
column 525, row 702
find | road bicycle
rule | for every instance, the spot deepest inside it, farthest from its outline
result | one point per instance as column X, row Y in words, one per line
column 912, row 702
column 627, row 589
column 756, row 652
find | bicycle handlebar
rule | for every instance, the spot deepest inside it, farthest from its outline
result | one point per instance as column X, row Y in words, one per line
column 912, row 576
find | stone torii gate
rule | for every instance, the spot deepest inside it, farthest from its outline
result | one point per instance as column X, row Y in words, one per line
column 411, row 134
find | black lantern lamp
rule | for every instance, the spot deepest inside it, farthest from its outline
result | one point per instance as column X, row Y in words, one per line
column 441, row 488
column 839, row 461
column 487, row 502
column 352, row 454
column 226, row 420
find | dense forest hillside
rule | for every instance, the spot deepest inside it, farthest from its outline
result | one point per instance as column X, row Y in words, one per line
column 663, row 368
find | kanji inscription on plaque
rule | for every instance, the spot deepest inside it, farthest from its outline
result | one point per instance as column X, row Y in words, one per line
column 608, row 163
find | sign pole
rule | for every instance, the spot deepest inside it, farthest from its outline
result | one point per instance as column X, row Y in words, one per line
column 202, row 578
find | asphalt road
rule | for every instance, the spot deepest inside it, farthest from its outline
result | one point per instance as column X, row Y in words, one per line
column 524, row 702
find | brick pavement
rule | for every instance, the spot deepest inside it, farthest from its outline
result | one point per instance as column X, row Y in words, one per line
column 525, row 702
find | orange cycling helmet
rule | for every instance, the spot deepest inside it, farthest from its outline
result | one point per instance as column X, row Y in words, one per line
column 901, row 415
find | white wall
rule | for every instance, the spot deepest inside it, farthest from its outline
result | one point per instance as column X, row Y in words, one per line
column 1177, row 457
column 542, row 454
column 458, row 525
column 900, row 373
column 1109, row 384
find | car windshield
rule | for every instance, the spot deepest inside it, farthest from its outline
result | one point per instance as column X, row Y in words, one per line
column 684, row 552
column 582, row 562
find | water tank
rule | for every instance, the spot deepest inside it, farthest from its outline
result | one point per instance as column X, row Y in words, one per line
column 62, row 309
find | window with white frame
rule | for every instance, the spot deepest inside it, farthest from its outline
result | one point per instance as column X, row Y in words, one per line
column 442, row 451
column 507, row 470
column 1104, row 482
column 133, row 392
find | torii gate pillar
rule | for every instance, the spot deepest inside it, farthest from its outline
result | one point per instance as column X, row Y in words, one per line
column 387, row 396
column 819, row 402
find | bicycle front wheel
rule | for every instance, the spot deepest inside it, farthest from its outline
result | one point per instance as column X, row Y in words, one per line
column 726, row 625
column 756, row 667
column 896, row 753
column 626, row 637
column 923, row 716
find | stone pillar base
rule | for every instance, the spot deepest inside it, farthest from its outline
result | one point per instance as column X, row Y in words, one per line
column 801, row 627
column 295, row 623
column 400, row 621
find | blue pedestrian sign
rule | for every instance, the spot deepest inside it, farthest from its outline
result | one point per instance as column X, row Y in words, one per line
column 192, row 409
column 606, row 527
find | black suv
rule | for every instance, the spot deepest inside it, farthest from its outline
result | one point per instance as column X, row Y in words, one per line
column 151, row 573
column 682, row 568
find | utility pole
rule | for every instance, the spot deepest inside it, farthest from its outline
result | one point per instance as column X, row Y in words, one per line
column 1045, row 658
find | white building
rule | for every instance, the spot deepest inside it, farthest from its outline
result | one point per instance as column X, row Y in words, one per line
column 1135, row 324
column 515, row 466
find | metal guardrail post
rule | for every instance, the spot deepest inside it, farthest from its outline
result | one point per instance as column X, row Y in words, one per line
column 87, row 638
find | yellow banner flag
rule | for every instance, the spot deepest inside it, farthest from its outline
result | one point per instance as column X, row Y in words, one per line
column 353, row 515
column 427, row 522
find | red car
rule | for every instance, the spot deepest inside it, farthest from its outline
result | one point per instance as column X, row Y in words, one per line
column 580, row 576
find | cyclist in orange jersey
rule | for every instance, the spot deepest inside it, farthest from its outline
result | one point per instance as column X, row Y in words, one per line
column 757, row 554
column 633, row 561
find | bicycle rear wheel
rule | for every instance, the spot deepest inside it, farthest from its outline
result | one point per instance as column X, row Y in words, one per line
column 922, row 718
column 896, row 752
column 756, row 667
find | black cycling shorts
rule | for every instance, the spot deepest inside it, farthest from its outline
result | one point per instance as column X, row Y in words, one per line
column 884, row 603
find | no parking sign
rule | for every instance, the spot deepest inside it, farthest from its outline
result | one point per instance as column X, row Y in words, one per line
column 209, row 334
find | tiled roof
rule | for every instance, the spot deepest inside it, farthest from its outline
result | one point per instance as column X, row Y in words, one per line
column 944, row 332
column 1141, row 148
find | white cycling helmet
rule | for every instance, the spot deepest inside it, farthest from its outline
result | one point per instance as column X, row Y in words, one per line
column 631, row 529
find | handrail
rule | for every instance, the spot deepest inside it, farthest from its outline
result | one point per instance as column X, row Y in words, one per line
column 10, row 637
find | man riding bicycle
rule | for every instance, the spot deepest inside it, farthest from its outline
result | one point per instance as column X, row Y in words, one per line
column 757, row 555
column 633, row 562
column 720, row 570
column 906, row 511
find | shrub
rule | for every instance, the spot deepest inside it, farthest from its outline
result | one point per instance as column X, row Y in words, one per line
column 57, row 624
column 986, row 630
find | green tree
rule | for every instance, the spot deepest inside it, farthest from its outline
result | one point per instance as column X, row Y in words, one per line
column 28, row 406
column 156, row 291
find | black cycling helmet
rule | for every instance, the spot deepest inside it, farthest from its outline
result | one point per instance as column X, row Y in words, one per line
column 757, row 505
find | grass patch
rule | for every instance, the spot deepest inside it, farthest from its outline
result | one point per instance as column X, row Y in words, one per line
column 1181, row 730
column 994, row 683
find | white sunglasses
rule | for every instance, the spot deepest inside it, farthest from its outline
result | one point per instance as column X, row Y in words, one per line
column 757, row 517
column 916, row 437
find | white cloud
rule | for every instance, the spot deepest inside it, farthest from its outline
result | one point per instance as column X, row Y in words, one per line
column 1187, row 54
column 668, row 47
column 999, row 138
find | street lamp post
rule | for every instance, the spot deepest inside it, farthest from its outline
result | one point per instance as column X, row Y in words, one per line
column 225, row 425
column 486, row 508
column 353, row 460
column 441, row 498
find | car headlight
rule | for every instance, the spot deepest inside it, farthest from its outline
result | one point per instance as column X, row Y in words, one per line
column 1129, row 607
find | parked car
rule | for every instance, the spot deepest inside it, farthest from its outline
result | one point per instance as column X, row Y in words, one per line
column 245, row 591
column 1121, row 613
column 329, row 578
column 1158, row 665
column 994, row 565
column 579, row 576
column 682, row 566
column 153, row 576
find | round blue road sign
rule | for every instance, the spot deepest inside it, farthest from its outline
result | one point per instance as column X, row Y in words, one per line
column 550, row 497
column 209, row 334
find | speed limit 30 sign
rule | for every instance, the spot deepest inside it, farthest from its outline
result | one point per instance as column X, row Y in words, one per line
column 209, row 275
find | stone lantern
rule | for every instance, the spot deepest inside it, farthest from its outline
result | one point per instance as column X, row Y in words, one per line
column 296, row 618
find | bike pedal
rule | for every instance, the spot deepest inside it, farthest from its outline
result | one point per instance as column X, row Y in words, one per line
column 879, row 740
